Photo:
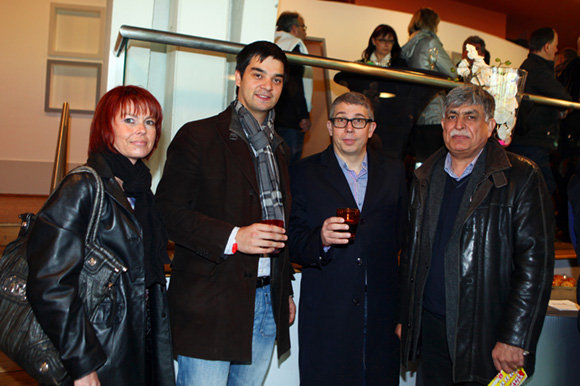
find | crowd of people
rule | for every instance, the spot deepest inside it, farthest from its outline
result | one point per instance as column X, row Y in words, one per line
column 453, row 273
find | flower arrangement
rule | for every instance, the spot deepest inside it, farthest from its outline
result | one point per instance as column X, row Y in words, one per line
column 505, row 84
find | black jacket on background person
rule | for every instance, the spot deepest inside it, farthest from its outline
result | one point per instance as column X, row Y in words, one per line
column 504, row 266
column 113, row 341
column 570, row 130
column 574, row 199
column 537, row 125
column 292, row 107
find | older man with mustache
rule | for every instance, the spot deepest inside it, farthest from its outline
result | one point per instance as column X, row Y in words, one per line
column 477, row 265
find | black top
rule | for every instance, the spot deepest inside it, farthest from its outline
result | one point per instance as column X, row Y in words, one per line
column 434, row 295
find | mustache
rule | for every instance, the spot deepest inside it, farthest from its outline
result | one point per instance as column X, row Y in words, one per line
column 463, row 133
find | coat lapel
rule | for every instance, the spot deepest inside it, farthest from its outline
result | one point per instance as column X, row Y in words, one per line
column 335, row 177
column 234, row 139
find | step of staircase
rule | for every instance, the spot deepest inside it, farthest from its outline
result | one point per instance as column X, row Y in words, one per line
column 8, row 232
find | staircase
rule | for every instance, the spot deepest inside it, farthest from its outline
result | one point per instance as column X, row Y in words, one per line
column 11, row 206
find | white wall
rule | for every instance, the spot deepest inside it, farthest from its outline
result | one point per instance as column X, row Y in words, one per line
column 29, row 134
column 189, row 84
column 346, row 29
column 202, row 87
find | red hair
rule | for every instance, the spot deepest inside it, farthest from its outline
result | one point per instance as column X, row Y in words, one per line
column 123, row 100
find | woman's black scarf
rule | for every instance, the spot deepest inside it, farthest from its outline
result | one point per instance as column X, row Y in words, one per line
column 137, row 185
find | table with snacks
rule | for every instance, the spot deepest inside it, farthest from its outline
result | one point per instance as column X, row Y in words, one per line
column 558, row 349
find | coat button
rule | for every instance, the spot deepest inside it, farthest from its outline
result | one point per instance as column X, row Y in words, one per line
column 252, row 192
column 356, row 302
column 359, row 261
column 412, row 279
column 361, row 221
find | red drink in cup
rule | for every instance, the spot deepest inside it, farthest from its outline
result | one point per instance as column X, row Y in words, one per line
column 351, row 217
column 278, row 223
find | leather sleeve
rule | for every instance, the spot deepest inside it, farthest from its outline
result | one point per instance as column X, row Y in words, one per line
column 533, row 260
column 444, row 63
column 55, row 257
column 420, row 58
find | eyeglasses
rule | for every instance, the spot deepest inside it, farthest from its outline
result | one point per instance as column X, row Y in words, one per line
column 357, row 123
column 302, row 26
column 391, row 41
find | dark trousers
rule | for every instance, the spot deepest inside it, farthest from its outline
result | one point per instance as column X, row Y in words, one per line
column 435, row 366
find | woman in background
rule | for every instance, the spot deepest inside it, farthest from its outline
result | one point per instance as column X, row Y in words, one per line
column 383, row 48
column 127, row 342
column 422, row 49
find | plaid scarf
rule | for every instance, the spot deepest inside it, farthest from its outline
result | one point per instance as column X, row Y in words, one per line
column 260, row 138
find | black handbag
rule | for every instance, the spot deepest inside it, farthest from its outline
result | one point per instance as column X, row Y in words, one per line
column 22, row 338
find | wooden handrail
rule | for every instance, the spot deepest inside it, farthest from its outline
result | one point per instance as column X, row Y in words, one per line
column 61, row 155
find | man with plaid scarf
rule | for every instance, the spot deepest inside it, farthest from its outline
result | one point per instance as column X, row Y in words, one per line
column 225, row 182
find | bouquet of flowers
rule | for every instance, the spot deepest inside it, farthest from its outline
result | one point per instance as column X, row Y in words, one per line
column 505, row 84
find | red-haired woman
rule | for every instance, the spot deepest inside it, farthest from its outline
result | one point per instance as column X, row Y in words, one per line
column 127, row 340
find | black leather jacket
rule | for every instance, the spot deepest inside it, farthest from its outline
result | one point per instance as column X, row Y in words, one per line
column 113, row 341
column 505, row 267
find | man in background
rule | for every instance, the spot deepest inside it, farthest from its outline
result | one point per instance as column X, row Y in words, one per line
column 292, row 110
column 537, row 128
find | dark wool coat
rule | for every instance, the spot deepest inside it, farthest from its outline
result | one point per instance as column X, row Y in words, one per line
column 209, row 186
column 332, row 295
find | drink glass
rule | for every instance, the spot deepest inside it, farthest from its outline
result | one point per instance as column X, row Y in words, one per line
column 433, row 54
column 278, row 223
column 351, row 217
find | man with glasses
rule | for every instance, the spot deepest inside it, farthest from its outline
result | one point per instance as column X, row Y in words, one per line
column 292, row 110
column 477, row 265
column 349, row 287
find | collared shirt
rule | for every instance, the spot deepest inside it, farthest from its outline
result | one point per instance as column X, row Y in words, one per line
column 386, row 62
column 449, row 170
column 357, row 183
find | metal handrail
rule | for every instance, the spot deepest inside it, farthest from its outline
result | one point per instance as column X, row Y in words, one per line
column 61, row 155
column 127, row 33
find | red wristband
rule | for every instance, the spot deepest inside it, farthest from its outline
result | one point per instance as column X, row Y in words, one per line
column 234, row 248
